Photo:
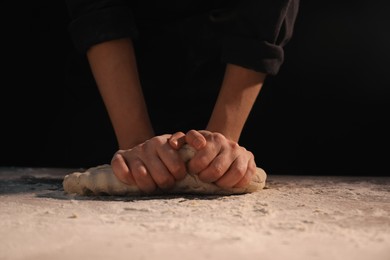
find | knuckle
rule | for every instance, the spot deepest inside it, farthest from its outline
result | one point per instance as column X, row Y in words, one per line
column 219, row 137
column 138, row 166
column 216, row 170
column 180, row 133
column 141, row 147
column 191, row 132
column 158, row 140
column 240, row 170
column 235, row 146
column 141, row 171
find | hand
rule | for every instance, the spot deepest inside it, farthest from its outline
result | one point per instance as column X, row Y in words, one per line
column 150, row 165
column 218, row 159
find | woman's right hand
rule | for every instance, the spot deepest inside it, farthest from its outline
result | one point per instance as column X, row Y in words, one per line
column 150, row 165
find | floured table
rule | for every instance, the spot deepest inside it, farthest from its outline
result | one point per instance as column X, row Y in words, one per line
column 293, row 217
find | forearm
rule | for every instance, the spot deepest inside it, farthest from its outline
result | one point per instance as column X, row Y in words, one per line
column 236, row 98
column 113, row 65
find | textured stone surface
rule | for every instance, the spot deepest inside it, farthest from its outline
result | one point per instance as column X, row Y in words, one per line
column 293, row 217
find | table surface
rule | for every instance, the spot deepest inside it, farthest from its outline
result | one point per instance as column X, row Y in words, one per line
column 294, row 217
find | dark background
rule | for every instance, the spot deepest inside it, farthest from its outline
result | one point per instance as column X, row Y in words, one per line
column 326, row 112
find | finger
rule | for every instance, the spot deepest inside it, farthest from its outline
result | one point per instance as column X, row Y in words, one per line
column 159, row 171
column 121, row 170
column 217, row 168
column 172, row 161
column 235, row 173
column 177, row 140
column 195, row 139
column 141, row 176
column 248, row 176
column 203, row 158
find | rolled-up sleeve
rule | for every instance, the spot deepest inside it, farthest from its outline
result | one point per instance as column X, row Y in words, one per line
column 259, row 29
column 93, row 22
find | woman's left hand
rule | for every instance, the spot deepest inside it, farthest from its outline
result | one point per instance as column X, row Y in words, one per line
column 218, row 160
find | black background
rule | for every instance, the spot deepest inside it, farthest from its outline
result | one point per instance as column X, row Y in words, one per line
column 326, row 112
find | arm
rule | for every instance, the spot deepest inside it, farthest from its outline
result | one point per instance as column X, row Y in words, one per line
column 104, row 31
column 259, row 31
column 114, row 68
column 219, row 158
column 238, row 93
column 145, row 160
column 236, row 98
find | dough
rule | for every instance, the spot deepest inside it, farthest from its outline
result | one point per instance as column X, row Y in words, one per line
column 101, row 180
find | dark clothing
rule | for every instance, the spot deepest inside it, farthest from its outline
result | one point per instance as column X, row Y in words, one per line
column 182, row 47
column 249, row 33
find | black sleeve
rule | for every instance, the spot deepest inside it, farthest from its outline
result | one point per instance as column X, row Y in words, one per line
column 258, row 32
column 95, row 21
